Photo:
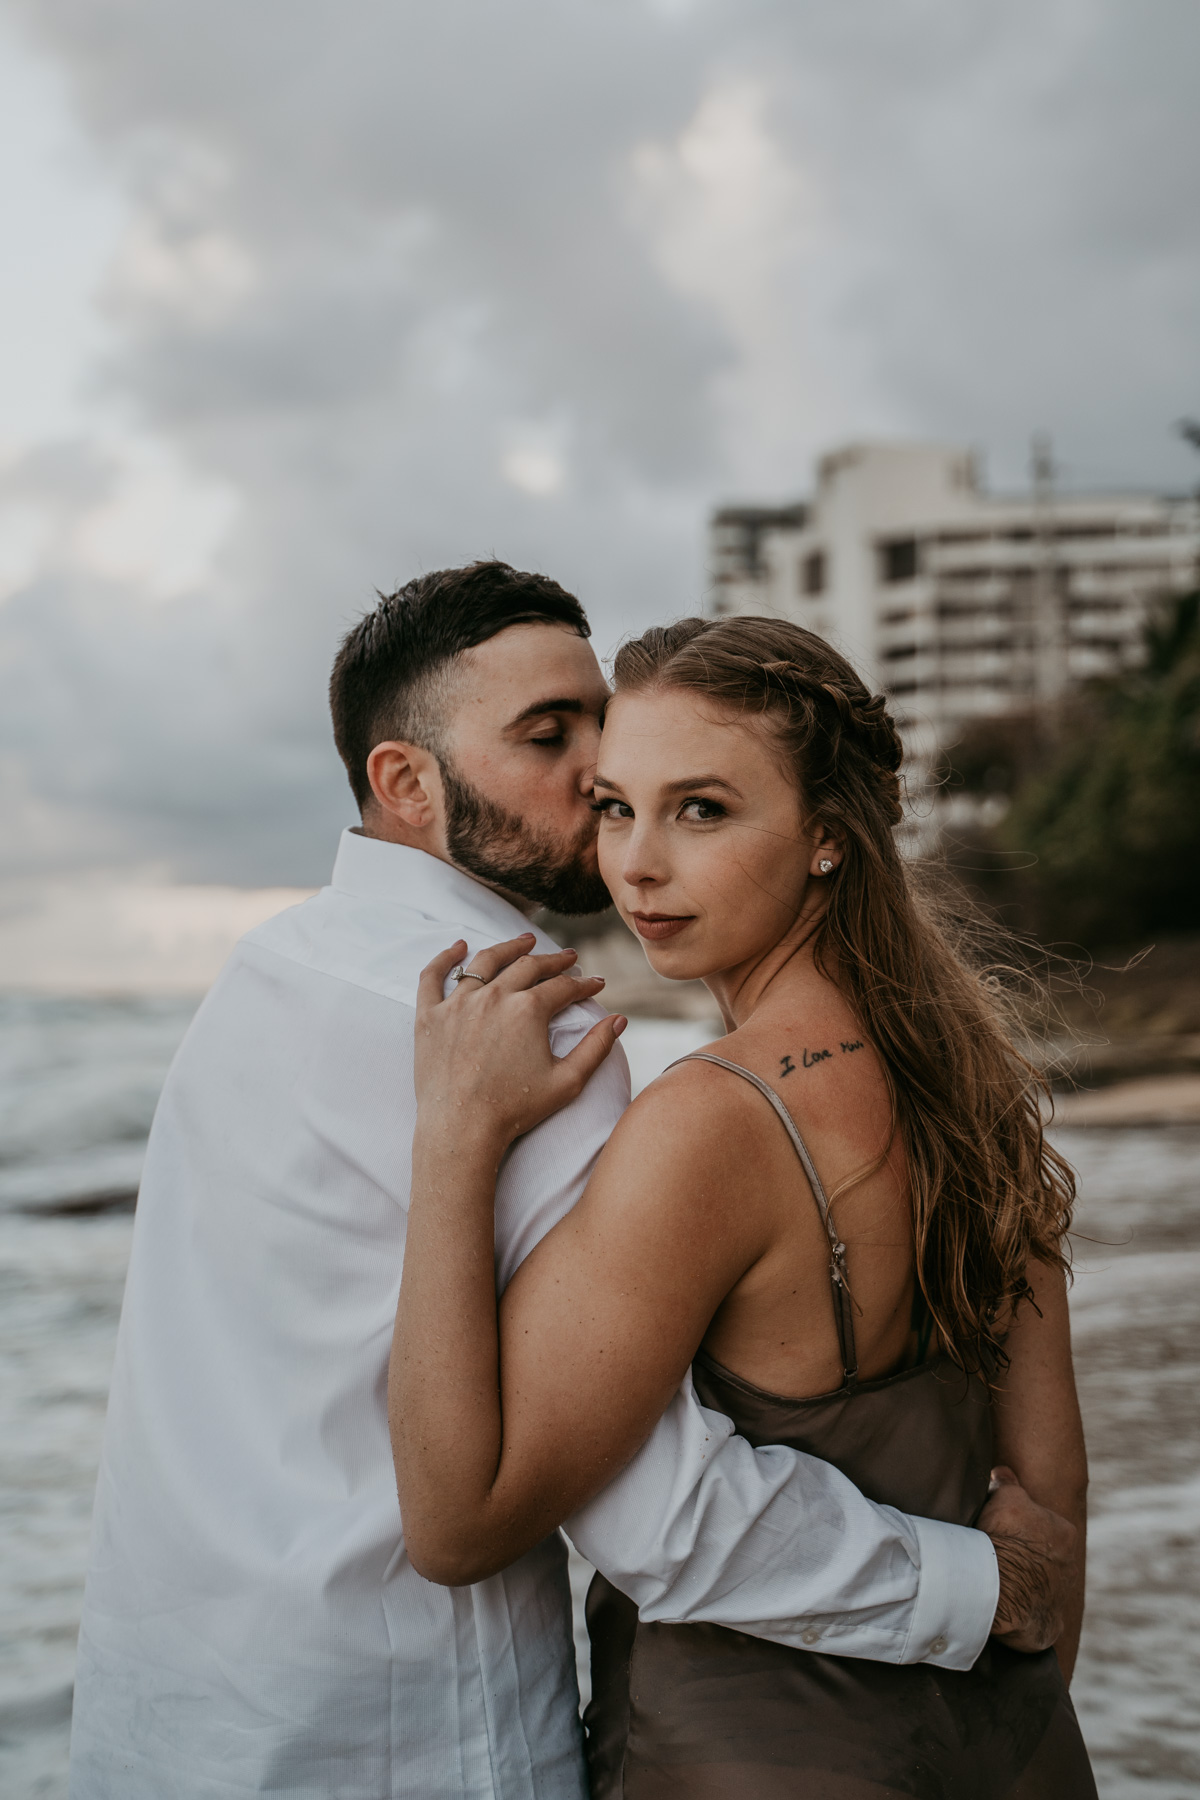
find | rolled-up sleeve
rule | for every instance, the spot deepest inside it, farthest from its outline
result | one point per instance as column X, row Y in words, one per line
column 701, row 1526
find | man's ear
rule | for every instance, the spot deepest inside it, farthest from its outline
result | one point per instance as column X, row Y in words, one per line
column 406, row 783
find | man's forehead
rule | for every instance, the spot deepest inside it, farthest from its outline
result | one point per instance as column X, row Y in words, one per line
column 526, row 663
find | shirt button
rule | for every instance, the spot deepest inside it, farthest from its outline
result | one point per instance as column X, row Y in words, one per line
column 937, row 1646
column 811, row 1636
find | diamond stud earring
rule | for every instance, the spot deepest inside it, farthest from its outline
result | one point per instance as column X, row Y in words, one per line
column 824, row 865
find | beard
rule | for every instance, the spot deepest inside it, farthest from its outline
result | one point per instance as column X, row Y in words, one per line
column 501, row 849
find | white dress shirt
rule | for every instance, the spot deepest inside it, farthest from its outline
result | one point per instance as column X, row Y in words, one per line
column 251, row 1623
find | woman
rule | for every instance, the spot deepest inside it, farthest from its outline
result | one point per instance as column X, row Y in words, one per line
column 843, row 1218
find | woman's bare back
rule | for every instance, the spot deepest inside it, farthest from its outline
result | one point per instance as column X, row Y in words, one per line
column 776, row 1325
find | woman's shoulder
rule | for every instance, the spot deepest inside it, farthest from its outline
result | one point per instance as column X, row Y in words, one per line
column 687, row 1158
column 694, row 1099
column 824, row 1072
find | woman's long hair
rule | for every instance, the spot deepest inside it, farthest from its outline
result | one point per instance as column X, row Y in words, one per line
column 986, row 1191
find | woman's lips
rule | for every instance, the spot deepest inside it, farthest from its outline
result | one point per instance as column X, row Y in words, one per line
column 660, row 925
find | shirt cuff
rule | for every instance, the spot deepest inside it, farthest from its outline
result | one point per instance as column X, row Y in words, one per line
column 958, row 1588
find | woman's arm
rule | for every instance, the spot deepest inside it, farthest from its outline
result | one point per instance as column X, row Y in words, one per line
column 1039, row 1433
column 601, row 1322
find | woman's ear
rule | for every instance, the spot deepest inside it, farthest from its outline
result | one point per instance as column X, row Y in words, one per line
column 827, row 852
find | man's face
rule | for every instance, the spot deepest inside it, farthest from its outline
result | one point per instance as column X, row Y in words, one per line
column 518, row 764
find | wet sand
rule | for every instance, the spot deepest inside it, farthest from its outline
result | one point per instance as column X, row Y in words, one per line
column 1151, row 1100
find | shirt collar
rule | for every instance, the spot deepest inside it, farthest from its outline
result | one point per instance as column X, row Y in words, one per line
column 370, row 869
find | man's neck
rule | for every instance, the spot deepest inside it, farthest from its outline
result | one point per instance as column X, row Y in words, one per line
column 429, row 847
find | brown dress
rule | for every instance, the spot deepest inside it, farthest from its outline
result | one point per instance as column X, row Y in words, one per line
column 699, row 1712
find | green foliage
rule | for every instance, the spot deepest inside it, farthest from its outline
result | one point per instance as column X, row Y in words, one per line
column 993, row 756
column 1109, row 825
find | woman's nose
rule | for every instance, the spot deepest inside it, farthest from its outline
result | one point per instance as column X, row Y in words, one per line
column 643, row 860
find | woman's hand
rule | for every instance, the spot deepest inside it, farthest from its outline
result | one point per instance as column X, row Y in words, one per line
column 484, row 1067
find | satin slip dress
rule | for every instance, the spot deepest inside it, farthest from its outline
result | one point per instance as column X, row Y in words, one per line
column 700, row 1712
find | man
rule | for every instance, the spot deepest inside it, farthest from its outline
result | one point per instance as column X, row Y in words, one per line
column 251, row 1623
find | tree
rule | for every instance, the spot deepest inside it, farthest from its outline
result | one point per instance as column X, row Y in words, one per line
column 1102, row 839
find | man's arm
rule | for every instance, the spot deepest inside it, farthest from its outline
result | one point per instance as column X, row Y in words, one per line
column 700, row 1526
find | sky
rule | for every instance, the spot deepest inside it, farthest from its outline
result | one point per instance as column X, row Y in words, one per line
column 301, row 297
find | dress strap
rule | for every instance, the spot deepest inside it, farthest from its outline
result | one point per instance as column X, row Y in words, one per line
column 843, row 1310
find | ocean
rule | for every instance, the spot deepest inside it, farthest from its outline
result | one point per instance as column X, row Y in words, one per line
column 78, row 1083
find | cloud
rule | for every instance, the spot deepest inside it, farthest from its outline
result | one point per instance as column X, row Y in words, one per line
column 536, row 457
column 124, row 511
column 392, row 285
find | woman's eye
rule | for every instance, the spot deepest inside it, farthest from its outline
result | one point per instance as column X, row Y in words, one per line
column 553, row 741
column 700, row 811
column 614, row 809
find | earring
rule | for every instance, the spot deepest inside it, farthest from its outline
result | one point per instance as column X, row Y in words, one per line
column 824, row 865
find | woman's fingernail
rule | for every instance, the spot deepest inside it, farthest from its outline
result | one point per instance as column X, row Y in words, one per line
column 619, row 1027
column 526, row 937
column 598, row 979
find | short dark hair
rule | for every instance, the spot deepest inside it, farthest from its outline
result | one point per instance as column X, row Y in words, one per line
column 385, row 681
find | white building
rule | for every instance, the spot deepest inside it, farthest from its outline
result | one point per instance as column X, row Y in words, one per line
column 956, row 602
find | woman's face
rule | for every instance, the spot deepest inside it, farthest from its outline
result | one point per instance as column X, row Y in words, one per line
column 702, row 843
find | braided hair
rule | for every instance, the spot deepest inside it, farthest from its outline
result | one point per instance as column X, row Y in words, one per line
column 986, row 1192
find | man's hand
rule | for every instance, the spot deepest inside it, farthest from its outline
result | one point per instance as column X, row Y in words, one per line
column 1036, row 1553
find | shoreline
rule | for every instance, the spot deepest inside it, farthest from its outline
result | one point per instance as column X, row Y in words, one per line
column 1146, row 1100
